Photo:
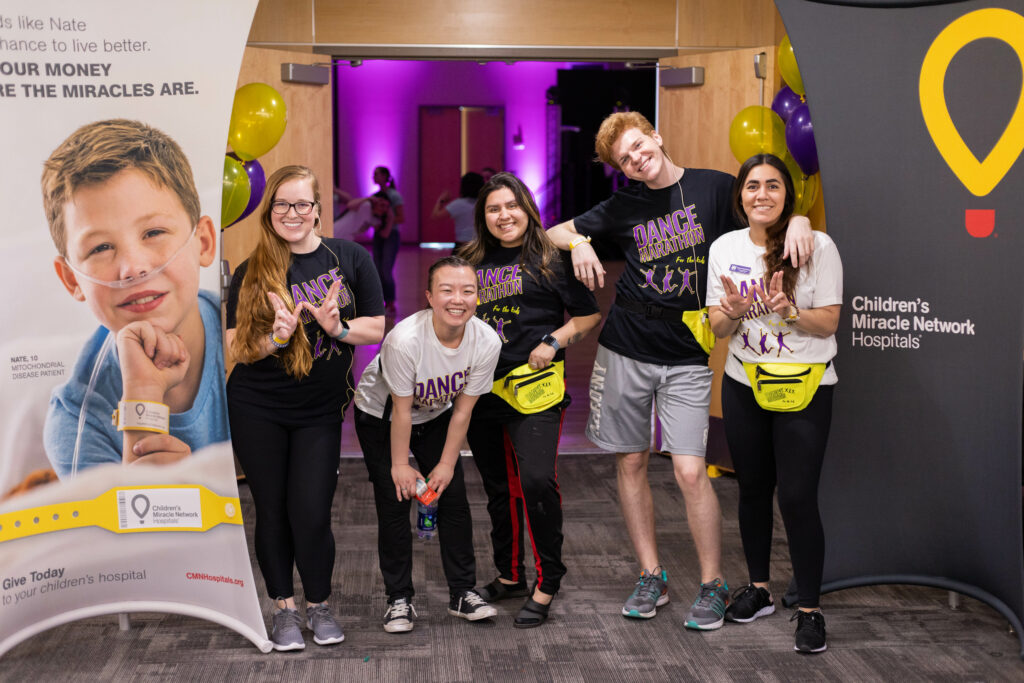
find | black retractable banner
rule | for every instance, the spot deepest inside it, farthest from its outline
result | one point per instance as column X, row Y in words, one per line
column 918, row 113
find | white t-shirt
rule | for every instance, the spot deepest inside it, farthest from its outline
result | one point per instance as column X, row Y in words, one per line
column 356, row 221
column 764, row 336
column 417, row 364
column 461, row 210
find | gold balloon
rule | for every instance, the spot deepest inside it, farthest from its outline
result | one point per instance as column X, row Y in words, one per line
column 788, row 67
column 757, row 130
column 258, row 118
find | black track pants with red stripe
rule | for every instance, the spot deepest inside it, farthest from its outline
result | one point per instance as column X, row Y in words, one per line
column 517, row 458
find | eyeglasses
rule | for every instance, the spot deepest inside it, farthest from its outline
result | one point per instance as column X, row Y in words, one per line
column 301, row 208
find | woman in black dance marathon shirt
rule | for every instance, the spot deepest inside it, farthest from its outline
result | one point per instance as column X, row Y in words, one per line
column 526, row 288
column 295, row 309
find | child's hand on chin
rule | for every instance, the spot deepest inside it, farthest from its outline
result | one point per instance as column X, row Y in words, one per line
column 159, row 449
column 152, row 361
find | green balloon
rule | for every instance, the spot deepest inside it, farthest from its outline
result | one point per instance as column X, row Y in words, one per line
column 235, row 191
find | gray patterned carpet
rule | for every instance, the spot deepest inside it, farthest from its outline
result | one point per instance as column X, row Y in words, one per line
column 875, row 634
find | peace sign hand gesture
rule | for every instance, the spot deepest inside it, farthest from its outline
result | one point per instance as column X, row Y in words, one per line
column 285, row 321
column 776, row 300
column 327, row 313
column 733, row 304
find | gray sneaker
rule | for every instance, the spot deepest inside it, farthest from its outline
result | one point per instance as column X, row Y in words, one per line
column 650, row 593
column 287, row 630
column 708, row 611
column 321, row 622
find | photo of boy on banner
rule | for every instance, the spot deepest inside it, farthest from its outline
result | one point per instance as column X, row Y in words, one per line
column 124, row 215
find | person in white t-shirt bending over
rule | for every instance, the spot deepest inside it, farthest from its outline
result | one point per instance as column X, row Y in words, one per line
column 417, row 395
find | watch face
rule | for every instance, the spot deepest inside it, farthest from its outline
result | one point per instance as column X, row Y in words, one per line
column 550, row 340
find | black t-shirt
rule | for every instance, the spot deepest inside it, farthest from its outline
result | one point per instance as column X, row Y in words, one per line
column 321, row 396
column 524, row 306
column 666, row 249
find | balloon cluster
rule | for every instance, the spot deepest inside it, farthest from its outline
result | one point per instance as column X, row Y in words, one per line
column 784, row 129
column 258, row 118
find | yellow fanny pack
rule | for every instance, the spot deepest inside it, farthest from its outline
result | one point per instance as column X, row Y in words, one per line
column 784, row 387
column 531, row 391
column 699, row 323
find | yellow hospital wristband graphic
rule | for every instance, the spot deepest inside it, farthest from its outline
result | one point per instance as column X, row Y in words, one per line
column 126, row 510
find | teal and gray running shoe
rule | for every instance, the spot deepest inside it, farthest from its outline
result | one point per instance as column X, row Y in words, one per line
column 708, row 611
column 651, row 592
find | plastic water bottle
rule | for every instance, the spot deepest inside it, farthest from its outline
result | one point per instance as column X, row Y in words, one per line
column 426, row 520
column 426, row 510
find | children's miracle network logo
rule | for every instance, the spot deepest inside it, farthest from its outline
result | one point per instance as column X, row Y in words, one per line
column 979, row 177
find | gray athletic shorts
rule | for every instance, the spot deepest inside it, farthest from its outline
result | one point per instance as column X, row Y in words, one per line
column 621, row 391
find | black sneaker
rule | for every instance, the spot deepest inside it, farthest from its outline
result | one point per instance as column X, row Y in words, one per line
column 398, row 618
column 469, row 605
column 749, row 603
column 810, row 632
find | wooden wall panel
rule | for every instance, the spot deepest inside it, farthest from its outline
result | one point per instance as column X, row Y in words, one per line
column 695, row 120
column 728, row 23
column 513, row 22
column 307, row 140
column 685, row 24
column 283, row 21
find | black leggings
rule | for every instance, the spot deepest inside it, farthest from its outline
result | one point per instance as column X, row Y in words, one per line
column 394, row 537
column 292, row 473
column 516, row 455
column 771, row 448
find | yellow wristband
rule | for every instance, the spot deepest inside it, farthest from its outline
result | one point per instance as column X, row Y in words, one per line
column 577, row 241
column 126, row 510
column 144, row 416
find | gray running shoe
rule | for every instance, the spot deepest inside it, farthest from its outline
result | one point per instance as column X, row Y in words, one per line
column 321, row 622
column 650, row 593
column 708, row 611
column 398, row 618
column 287, row 630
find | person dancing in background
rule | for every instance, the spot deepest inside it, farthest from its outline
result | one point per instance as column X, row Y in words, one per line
column 387, row 240
column 461, row 208
column 295, row 309
column 527, row 287
column 774, row 445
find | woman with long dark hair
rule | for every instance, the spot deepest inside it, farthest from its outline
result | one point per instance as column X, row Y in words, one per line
column 777, row 392
column 295, row 309
column 526, row 289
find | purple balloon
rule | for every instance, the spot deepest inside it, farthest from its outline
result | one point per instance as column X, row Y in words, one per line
column 785, row 102
column 800, row 140
column 257, row 183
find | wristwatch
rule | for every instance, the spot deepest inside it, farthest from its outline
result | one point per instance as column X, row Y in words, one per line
column 550, row 341
column 344, row 330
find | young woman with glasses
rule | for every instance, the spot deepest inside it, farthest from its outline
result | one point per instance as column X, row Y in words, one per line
column 295, row 309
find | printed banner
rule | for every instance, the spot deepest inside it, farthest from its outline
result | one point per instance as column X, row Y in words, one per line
column 919, row 121
column 115, row 117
